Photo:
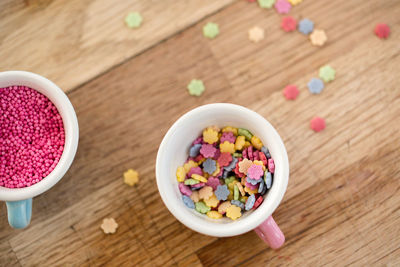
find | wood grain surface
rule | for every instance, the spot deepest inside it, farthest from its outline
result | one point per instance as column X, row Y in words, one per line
column 342, row 206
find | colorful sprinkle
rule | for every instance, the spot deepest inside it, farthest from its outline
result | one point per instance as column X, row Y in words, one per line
column 315, row 86
column 206, row 192
column 295, row 2
column 382, row 30
column 133, row 20
column 196, row 87
column 318, row 37
column 194, row 150
column 214, row 214
column 131, row 177
column 202, row 207
column 266, row 3
column 282, row 6
column 237, row 203
column 268, row 179
column 317, row 124
column 109, row 226
column 188, row 202
column 185, row 190
column 291, row 92
column 288, row 24
column 208, row 151
column 210, row 136
column 222, row 192
column 327, row 73
column 250, row 202
column 306, row 26
column 256, row 34
column 255, row 172
column 213, row 182
column 211, row 30
column 209, row 166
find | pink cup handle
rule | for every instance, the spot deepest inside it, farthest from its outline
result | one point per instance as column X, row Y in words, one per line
column 270, row 233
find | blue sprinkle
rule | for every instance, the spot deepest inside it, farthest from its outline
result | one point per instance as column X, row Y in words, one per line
column 261, row 186
column 231, row 165
column 222, row 192
column 209, row 166
column 306, row 26
column 250, row 202
column 253, row 181
column 237, row 203
column 315, row 86
column 264, row 190
column 194, row 150
column 266, row 152
column 188, row 202
column 268, row 179
column 225, row 174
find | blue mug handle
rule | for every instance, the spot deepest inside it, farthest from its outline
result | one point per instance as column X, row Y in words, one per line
column 19, row 213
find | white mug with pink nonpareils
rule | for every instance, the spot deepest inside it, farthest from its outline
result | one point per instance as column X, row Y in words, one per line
column 38, row 140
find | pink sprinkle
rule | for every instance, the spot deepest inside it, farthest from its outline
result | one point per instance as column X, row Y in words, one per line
column 195, row 170
column 199, row 185
column 255, row 155
column 31, row 136
column 198, row 158
column 198, row 140
column 271, row 165
column 317, row 124
column 252, row 187
column 217, row 154
column 228, row 136
column 224, row 159
column 255, row 172
column 208, row 150
column 213, row 182
column 283, row 6
column 185, row 189
column 250, row 153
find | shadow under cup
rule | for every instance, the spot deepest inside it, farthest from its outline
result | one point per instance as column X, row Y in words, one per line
column 173, row 152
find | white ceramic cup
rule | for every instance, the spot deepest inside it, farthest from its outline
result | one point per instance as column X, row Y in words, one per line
column 173, row 152
column 19, row 200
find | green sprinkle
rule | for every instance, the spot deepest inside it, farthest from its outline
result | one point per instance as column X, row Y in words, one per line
column 237, row 155
column 243, row 199
column 202, row 207
column 196, row 87
column 327, row 73
column 246, row 133
column 191, row 181
column 235, row 193
column 266, row 3
column 229, row 180
column 133, row 20
column 211, row 30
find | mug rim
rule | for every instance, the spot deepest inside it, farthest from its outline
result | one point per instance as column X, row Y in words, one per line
column 259, row 215
column 71, row 130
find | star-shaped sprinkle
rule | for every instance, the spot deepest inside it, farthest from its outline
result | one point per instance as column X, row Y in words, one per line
column 306, row 26
column 133, row 20
column 382, row 30
column 256, row 34
column 196, row 87
column 318, row 37
column 210, row 136
column 288, row 24
column 283, row 6
column 327, row 73
column 295, row 2
column 214, row 214
column 109, row 226
column 266, row 3
column 211, row 30
column 315, row 86
column 131, row 177
column 188, row 202
column 206, row 192
column 222, row 192
column 208, row 151
column 244, row 165
column 209, row 166
column 233, row 212
column 227, row 147
column 291, row 92
column 250, row 202
column 202, row 207
column 317, row 124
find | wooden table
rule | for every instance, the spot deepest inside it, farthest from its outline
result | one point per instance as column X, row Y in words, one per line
column 342, row 206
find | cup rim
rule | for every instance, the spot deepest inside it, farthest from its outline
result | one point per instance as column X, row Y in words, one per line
column 259, row 215
column 71, row 129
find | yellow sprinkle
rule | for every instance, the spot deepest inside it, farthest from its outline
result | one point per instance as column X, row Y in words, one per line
column 214, row 214
column 295, row 2
column 180, row 174
column 195, row 196
column 210, row 136
column 248, row 190
column 224, row 205
column 240, row 187
column 230, row 129
column 190, row 164
column 256, row 142
column 230, row 196
column 212, row 201
column 199, row 178
column 227, row 147
column 233, row 212
column 131, row 177
column 217, row 170
column 259, row 162
column 240, row 141
column 246, row 144
column 318, row 37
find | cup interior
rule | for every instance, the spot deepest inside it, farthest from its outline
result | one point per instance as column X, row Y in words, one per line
column 70, row 122
column 173, row 152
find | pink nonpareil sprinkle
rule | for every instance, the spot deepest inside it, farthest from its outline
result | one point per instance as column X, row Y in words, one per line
column 31, row 136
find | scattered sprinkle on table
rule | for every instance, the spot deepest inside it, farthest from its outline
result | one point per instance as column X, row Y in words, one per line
column 196, row 87
column 315, row 86
column 291, row 92
column 229, row 174
column 317, row 124
column 318, row 37
column 295, row 2
column 131, row 177
column 211, row 30
column 256, row 34
column 251, row 1
column 133, row 20
column 382, row 30
column 266, row 3
column 306, row 26
column 288, row 24
column 282, row 6
column 109, row 226
column 327, row 73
